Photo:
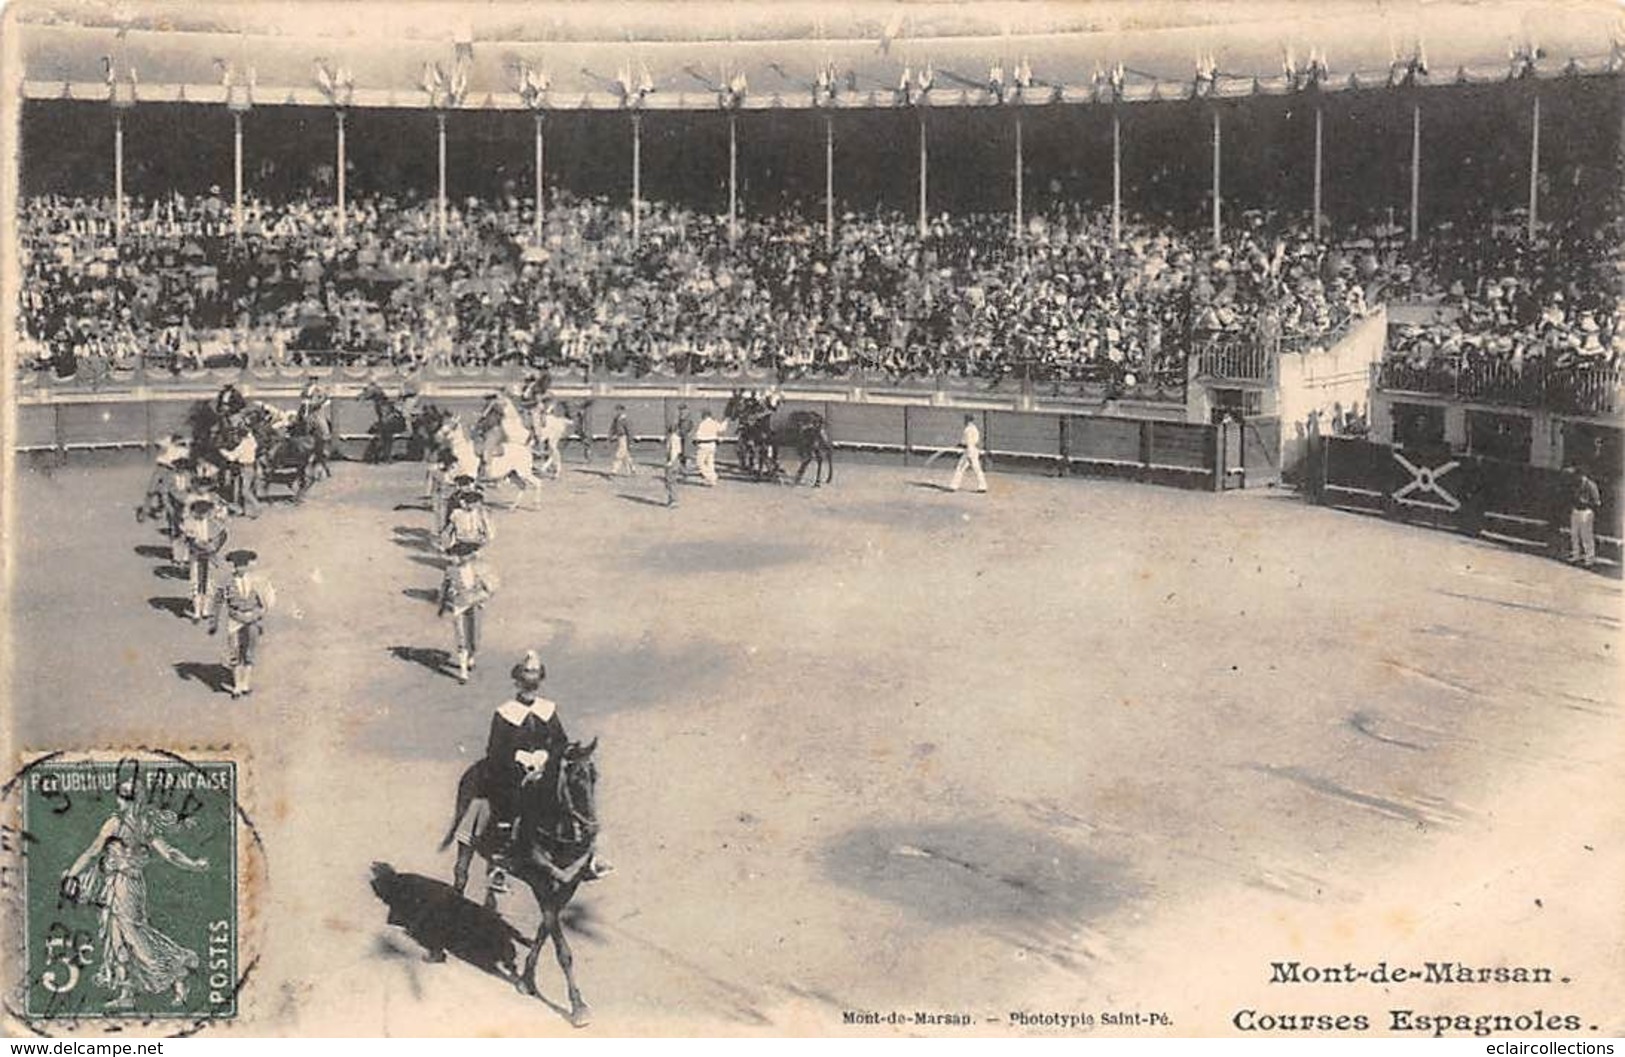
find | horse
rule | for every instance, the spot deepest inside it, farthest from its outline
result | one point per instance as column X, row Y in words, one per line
column 551, row 430
column 763, row 434
column 425, row 426
column 550, row 851
column 454, row 436
column 284, row 455
column 389, row 424
column 504, row 445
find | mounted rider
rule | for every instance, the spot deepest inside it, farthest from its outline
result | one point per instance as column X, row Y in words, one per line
column 526, row 745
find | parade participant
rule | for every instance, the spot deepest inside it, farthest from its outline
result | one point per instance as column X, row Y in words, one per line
column 241, row 450
column 184, row 487
column 706, row 435
column 685, row 429
column 440, row 485
column 468, row 520
column 171, row 450
column 244, row 598
column 970, row 457
column 674, row 462
column 316, row 408
column 1584, row 499
column 549, row 430
column 583, row 427
column 467, row 586
column 204, row 531
column 228, row 402
column 620, row 431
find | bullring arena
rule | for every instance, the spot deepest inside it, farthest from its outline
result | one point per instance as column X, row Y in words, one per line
column 879, row 746
column 1270, row 689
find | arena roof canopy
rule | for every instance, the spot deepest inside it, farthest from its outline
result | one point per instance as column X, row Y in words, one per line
column 699, row 56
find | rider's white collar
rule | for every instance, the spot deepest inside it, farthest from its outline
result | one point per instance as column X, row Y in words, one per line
column 516, row 711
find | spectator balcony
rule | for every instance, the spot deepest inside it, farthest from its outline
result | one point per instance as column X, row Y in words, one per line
column 1570, row 389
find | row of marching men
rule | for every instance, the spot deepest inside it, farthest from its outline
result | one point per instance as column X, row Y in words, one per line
column 183, row 496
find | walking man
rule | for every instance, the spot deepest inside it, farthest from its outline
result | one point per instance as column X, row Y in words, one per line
column 467, row 586
column 204, row 530
column 468, row 521
column 674, row 462
column 685, row 430
column 706, row 435
column 620, row 431
column 245, row 598
column 1584, row 499
column 970, row 457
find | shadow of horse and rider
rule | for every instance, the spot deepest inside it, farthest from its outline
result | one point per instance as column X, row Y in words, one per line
column 549, row 849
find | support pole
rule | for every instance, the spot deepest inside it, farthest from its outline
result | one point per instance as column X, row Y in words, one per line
column 924, row 161
column 237, row 173
column 1319, row 157
column 341, row 217
column 440, row 145
column 1216, row 190
column 1416, row 169
column 1018, row 178
column 1117, row 177
column 733, row 180
column 118, row 175
column 637, row 177
column 829, row 183
column 1534, row 169
column 540, row 185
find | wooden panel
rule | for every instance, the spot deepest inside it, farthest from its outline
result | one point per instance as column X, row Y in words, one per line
column 1016, row 433
column 1106, row 439
column 1181, row 444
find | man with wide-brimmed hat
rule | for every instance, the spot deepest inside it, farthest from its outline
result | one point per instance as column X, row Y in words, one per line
column 464, row 590
column 467, row 518
column 244, row 598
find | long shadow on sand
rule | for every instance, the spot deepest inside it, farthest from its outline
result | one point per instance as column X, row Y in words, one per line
column 153, row 550
column 418, row 539
column 642, row 500
column 422, row 594
column 169, row 572
column 217, row 677
column 178, row 607
column 436, row 660
column 436, row 917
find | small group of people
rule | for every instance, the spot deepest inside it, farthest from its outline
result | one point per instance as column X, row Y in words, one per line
column 197, row 521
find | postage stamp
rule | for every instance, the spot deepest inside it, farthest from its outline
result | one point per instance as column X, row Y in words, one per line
column 130, row 888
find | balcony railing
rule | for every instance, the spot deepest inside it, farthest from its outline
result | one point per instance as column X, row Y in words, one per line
column 1232, row 359
column 1576, row 389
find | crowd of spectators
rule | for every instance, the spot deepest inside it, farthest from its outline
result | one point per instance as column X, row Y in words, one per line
column 1506, row 308
column 180, row 290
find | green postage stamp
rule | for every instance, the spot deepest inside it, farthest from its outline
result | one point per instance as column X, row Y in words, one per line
column 130, row 888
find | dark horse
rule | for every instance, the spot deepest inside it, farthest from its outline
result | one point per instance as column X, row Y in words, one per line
column 763, row 434
column 283, row 456
column 550, row 851
column 389, row 424
column 426, row 425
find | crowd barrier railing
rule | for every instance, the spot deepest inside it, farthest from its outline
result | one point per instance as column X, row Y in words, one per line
column 1578, row 389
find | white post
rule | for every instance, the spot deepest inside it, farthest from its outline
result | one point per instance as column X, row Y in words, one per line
column 733, row 179
column 829, row 183
column 237, row 173
column 1534, row 169
column 1416, row 168
column 924, row 161
column 341, row 217
column 1117, row 177
column 1018, row 178
column 1318, row 159
column 440, row 204
column 637, row 176
column 540, row 187
column 1216, row 192
column 118, row 174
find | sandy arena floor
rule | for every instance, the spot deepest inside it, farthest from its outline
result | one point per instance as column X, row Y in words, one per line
column 1074, row 745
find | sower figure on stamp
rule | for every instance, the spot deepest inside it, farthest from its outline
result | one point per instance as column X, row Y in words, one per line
column 244, row 599
column 111, row 874
column 467, row 586
column 204, row 530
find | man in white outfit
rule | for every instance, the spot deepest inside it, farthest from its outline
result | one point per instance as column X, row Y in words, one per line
column 706, row 435
column 970, row 458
